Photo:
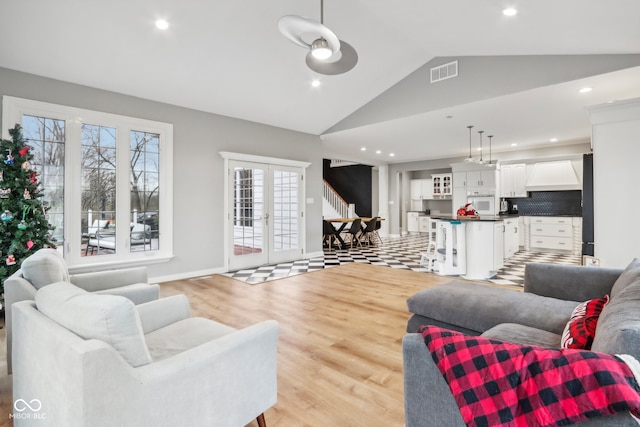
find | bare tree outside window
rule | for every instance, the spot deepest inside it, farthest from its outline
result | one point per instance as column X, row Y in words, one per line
column 46, row 137
column 145, row 189
column 98, row 196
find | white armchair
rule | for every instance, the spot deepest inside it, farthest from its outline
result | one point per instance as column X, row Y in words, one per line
column 98, row 360
column 47, row 266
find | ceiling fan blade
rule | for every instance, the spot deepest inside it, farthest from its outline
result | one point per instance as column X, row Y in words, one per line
column 342, row 62
column 293, row 26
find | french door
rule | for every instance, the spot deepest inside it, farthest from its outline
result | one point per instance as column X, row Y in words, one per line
column 265, row 215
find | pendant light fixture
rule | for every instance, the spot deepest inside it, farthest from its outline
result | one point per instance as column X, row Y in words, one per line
column 490, row 164
column 469, row 159
column 481, row 161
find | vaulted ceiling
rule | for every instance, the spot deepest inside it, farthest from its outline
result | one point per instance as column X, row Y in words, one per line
column 518, row 77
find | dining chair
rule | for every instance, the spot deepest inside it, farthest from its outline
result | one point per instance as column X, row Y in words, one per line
column 376, row 230
column 353, row 231
column 329, row 233
column 369, row 232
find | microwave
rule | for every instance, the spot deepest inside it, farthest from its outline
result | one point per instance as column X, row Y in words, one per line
column 484, row 205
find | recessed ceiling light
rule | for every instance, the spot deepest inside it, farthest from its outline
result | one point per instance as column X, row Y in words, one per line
column 378, row 151
column 161, row 24
column 513, row 144
column 391, row 154
column 478, row 149
column 586, row 90
column 363, row 149
column 509, row 11
column 554, row 140
column 315, row 83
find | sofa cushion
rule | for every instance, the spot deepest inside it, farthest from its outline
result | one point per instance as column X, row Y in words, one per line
column 109, row 318
column 618, row 330
column 525, row 335
column 182, row 335
column 581, row 327
column 44, row 267
column 628, row 276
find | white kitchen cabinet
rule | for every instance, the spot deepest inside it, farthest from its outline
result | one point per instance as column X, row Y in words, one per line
column 513, row 179
column 421, row 189
column 481, row 182
column 511, row 237
column 498, row 245
column 521, row 232
column 551, row 233
column 442, row 185
column 485, row 249
column 423, row 224
column 413, row 223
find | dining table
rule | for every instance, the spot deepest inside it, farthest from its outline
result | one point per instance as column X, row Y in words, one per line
column 341, row 224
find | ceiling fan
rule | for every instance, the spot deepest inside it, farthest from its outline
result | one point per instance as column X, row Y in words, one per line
column 327, row 54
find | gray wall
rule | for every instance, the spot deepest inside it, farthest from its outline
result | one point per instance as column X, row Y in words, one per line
column 198, row 169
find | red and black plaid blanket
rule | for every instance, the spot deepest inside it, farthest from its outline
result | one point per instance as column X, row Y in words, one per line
column 497, row 383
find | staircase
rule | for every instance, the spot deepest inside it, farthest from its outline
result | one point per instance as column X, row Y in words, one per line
column 333, row 205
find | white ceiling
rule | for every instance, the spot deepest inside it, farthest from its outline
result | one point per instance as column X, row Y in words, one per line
column 228, row 57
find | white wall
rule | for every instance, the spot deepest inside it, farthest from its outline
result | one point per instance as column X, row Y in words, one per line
column 616, row 177
column 198, row 169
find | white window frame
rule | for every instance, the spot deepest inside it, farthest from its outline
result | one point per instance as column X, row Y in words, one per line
column 13, row 110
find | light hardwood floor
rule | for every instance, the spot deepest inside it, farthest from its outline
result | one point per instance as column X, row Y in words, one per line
column 340, row 344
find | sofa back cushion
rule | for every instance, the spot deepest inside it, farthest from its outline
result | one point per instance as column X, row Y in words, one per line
column 109, row 318
column 618, row 330
column 44, row 267
column 628, row 276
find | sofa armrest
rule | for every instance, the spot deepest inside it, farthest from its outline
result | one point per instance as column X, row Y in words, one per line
column 16, row 288
column 569, row 282
column 102, row 280
column 163, row 312
column 428, row 401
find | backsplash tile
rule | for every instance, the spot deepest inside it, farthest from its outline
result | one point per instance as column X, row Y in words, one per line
column 550, row 203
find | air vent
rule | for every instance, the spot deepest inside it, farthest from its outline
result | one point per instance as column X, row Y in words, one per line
column 444, row 72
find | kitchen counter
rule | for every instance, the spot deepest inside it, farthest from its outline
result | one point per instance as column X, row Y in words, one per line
column 482, row 218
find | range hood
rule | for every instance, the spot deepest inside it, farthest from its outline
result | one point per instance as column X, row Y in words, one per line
column 553, row 176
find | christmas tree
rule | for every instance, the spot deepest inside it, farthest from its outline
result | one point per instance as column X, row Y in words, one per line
column 23, row 224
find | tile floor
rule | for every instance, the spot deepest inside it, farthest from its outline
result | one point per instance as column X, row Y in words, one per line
column 402, row 253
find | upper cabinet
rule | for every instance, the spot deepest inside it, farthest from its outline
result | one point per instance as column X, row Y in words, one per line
column 513, row 179
column 442, row 185
column 421, row 189
column 476, row 182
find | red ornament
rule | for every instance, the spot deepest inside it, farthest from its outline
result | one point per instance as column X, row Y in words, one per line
column 23, row 152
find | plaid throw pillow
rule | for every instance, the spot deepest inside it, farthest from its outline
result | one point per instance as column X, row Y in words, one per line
column 581, row 328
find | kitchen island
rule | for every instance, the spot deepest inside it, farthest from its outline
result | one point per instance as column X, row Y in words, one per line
column 483, row 248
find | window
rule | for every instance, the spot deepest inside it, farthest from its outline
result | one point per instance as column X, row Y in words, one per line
column 121, row 211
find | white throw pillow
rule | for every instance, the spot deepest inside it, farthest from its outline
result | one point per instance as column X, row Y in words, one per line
column 109, row 318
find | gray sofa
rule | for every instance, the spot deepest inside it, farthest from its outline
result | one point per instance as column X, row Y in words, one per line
column 536, row 316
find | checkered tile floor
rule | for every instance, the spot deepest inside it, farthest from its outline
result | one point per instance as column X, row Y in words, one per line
column 402, row 253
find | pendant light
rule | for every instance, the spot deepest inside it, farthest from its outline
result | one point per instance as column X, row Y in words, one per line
column 481, row 161
column 469, row 159
column 490, row 164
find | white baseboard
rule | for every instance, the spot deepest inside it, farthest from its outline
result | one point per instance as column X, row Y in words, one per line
column 310, row 255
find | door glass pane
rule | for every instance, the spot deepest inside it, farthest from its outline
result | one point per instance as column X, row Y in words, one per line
column 144, row 155
column 248, row 211
column 98, row 190
column 46, row 137
column 285, row 210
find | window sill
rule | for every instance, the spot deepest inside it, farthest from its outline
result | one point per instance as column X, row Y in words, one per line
column 110, row 265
